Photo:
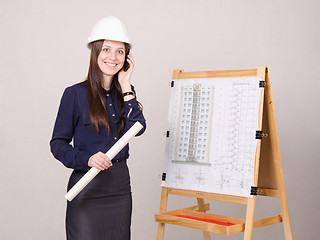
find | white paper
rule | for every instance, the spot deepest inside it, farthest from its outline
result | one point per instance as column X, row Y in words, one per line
column 112, row 152
column 212, row 125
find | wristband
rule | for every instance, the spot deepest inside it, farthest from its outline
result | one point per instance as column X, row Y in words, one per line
column 127, row 93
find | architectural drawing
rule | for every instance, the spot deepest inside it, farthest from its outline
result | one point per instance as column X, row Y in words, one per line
column 192, row 145
column 212, row 124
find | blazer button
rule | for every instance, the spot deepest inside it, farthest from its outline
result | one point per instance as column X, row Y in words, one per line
column 115, row 138
column 117, row 161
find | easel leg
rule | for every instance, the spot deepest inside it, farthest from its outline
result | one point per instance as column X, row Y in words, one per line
column 286, row 217
column 160, row 234
column 284, row 203
column 250, row 218
column 163, row 208
column 206, row 234
column 275, row 147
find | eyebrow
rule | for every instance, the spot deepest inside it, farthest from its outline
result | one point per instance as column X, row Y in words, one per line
column 110, row 46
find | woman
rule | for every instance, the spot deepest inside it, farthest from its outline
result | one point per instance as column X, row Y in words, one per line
column 95, row 114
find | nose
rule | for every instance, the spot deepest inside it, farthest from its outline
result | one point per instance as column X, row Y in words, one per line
column 112, row 55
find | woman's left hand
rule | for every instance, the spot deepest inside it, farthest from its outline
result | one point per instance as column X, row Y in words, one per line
column 124, row 77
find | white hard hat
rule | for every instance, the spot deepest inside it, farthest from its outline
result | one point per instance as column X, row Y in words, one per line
column 110, row 28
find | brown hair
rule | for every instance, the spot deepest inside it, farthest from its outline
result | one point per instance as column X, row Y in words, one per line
column 96, row 95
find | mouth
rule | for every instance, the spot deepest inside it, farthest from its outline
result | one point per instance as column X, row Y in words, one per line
column 111, row 64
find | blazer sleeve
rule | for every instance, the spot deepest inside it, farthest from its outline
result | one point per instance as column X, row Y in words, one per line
column 133, row 113
column 63, row 133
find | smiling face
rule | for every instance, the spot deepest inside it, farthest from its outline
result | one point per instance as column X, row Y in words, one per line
column 111, row 58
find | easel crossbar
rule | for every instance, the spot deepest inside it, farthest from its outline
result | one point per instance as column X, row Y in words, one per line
column 207, row 195
column 204, row 208
column 180, row 74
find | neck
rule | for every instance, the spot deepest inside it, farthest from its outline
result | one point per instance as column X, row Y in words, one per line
column 107, row 80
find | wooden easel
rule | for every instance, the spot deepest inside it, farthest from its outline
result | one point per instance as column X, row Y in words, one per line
column 269, row 177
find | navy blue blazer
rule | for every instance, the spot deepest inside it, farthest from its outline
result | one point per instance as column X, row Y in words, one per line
column 73, row 123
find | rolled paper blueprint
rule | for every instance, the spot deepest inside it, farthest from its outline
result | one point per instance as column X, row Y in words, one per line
column 112, row 152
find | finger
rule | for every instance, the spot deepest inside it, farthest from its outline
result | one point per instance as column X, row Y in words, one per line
column 109, row 163
column 102, row 165
column 104, row 161
column 96, row 165
column 99, row 161
column 96, row 157
column 95, row 162
column 101, row 155
column 129, row 56
column 131, row 64
column 130, row 59
column 105, row 157
column 106, row 164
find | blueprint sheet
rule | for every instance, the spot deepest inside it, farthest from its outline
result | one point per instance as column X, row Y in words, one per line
column 212, row 125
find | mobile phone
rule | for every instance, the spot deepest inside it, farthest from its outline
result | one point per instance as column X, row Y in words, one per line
column 126, row 65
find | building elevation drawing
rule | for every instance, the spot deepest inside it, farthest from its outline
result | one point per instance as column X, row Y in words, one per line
column 211, row 143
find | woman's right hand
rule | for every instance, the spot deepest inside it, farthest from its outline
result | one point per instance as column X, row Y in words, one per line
column 100, row 161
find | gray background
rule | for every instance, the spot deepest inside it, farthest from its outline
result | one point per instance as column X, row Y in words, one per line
column 42, row 46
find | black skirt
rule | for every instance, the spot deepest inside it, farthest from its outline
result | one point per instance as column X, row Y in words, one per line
column 102, row 210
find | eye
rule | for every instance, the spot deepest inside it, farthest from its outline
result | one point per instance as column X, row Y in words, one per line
column 121, row 51
column 105, row 49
